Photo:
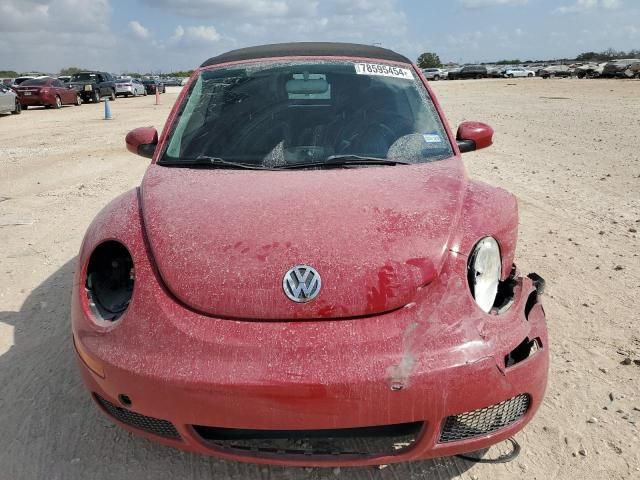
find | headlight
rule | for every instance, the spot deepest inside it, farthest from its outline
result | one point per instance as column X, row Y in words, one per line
column 484, row 269
column 109, row 282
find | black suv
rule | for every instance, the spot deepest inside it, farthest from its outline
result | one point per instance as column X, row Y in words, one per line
column 470, row 71
column 92, row 86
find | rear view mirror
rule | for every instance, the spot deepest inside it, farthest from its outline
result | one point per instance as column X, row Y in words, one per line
column 142, row 141
column 307, row 87
column 474, row 136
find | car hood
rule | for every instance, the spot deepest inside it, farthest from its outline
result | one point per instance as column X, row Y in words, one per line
column 223, row 240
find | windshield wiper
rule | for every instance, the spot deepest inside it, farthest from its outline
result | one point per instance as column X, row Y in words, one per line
column 331, row 162
column 206, row 161
column 340, row 160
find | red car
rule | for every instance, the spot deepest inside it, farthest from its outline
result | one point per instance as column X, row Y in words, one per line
column 48, row 92
column 307, row 276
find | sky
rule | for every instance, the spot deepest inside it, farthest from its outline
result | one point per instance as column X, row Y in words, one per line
column 168, row 35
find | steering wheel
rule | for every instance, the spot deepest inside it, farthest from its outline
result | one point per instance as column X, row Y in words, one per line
column 376, row 136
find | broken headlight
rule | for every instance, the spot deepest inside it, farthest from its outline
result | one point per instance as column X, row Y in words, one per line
column 484, row 269
column 109, row 282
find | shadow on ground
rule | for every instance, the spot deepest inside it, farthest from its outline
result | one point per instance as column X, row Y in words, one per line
column 50, row 429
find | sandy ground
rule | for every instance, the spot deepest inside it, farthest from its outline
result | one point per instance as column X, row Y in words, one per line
column 568, row 148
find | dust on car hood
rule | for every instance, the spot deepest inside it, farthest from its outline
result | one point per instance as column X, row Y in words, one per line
column 223, row 240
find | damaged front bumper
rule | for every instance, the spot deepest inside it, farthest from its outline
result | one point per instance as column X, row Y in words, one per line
column 435, row 378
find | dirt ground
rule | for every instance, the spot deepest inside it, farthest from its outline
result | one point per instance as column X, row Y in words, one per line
column 570, row 151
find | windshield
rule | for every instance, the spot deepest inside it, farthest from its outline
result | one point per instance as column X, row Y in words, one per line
column 272, row 115
column 36, row 82
column 83, row 77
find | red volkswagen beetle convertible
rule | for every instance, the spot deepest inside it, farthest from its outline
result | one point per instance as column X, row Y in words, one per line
column 307, row 276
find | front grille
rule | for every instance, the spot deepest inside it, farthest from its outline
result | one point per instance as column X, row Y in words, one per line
column 162, row 428
column 358, row 442
column 485, row 420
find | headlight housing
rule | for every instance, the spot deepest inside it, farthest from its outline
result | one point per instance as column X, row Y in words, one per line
column 109, row 281
column 483, row 272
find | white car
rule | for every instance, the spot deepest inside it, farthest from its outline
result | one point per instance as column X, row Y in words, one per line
column 19, row 80
column 9, row 100
column 518, row 72
column 130, row 87
column 434, row 73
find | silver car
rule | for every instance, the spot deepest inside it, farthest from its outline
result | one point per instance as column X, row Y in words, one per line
column 515, row 72
column 9, row 100
column 130, row 87
column 434, row 73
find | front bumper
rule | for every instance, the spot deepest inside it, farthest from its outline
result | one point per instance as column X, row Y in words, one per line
column 434, row 359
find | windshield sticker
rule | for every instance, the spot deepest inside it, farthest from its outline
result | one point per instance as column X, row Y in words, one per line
column 383, row 70
column 432, row 138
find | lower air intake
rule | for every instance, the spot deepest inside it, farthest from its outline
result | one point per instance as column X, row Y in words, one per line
column 485, row 420
column 354, row 442
column 162, row 428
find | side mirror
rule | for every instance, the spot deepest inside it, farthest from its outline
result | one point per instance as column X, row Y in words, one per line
column 474, row 136
column 142, row 141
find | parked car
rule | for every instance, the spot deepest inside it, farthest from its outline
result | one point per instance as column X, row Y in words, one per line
column 92, row 86
column 9, row 102
column 515, row 72
column 434, row 74
column 19, row 80
column 130, row 87
column 48, row 92
column 64, row 78
column 282, row 267
column 495, row 72
column 552, row 71
column 7, row 81
column 151, row 85
column 633, row 70
column 469, row 71
column 589, row 70
column 617, row 68
column 172, row 82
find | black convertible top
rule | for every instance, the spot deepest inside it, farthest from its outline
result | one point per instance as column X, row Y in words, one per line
column 307, row 49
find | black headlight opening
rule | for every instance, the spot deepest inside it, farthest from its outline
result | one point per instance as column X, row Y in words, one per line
column 110, row 280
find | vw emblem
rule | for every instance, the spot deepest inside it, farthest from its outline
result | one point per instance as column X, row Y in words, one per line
column 302, row 283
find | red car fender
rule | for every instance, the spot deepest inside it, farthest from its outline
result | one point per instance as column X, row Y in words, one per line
column 488, row 211
column 121, row 221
